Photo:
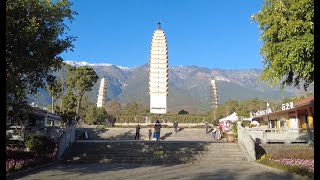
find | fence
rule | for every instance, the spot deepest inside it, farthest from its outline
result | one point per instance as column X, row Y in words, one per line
column 246, row 143
column 66, row 139
column 267, row 135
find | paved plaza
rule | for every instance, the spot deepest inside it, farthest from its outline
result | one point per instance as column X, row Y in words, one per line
column 205, row 169
column 167, row 134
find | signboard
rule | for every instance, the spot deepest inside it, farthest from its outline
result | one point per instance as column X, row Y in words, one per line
column 287, row 106
column 158, row 152
column 262, row 112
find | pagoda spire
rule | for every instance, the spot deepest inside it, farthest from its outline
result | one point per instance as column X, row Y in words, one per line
column 159, row 25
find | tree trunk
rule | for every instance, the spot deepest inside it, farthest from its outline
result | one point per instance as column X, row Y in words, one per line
column 78, row 104
column 52, row 104
column 62, row 88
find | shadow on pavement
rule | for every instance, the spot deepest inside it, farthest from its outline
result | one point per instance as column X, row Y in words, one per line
column 129, row 135
column 165, row 136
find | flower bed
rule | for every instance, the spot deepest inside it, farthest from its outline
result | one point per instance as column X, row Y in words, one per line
column 18, row 159
column 299, row 166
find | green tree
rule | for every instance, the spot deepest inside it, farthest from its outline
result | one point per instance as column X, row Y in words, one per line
column 81, row 80
column 69, row 100
column 255, row 104
column 287, row 32
column 113, row 107
column 242, row 112
column 54, row 88
column 134, row 109
column 90, row 114
column 35, row 37
column 183, row 112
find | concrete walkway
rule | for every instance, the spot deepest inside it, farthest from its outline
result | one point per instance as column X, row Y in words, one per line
column 168, row 134
column 160, row 172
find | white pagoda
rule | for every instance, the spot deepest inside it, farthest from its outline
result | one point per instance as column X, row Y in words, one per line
column 214, row 94
column 102, row 93
column 158, row 72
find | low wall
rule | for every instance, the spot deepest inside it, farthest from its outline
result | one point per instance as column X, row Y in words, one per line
column 246, row 143
column 66, row 139
column 267, row 135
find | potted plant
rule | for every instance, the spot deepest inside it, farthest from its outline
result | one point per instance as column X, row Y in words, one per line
column 230, row 137
column 224, row 137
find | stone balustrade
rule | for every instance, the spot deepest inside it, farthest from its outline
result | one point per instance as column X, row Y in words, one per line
column 246, row 143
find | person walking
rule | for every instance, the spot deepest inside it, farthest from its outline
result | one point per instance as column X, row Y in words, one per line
column 149, row 134
column 137, row 137
column 207, row 127
column 175, row 126
column 157, row 128
column 214, row 134
column 220, row 127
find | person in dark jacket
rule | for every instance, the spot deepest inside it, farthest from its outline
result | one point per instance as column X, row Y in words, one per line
column 207, row 127
column 137, row 132
column 175, row 126
column 150, row 133
column 157, row 128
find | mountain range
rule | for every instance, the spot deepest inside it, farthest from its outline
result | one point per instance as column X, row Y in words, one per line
column 189, row 86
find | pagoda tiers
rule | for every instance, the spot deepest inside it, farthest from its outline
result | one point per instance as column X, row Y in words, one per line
column 102, row 93
column 158, row 72
column 214, row 95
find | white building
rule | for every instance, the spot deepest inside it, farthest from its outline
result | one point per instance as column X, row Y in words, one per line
column 158, row 72
column 102, row 93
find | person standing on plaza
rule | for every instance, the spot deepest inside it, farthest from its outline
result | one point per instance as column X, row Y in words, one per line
column 207, row 127
column 220, row 127
column 149, row 134
column 214, row 134
column 175, row 126
column 137, row 137
column 157, row 128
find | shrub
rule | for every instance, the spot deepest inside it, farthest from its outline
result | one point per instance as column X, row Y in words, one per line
column 38, row 144
column 245, row 123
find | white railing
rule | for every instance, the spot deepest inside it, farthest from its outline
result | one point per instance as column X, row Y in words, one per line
column 66, row 139
column 246, row 143
column 265, row 135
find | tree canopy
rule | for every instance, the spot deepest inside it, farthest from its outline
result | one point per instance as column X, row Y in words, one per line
column 287, row 32
column 183, row 112
column 35, row 37
column 54, row 88
column 81, row 79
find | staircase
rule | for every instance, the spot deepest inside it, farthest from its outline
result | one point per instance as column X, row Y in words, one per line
column 155, row 152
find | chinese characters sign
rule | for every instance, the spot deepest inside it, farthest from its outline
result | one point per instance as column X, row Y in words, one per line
column 287, row 106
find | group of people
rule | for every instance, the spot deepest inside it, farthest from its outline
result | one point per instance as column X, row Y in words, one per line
column 157, row 128
column 156, row 134
column 216, row 132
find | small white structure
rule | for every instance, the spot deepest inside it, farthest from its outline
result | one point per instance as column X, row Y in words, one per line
column 102, row 93
column 227, row 121
column 158, row 72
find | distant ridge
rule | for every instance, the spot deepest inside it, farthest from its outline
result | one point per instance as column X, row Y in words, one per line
column 189, row 86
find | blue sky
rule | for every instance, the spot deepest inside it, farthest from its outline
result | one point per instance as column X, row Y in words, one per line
column 206, row 33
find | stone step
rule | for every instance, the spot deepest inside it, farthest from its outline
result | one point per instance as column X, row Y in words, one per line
column 162, row 161
column 173, row 152
column 151, row 153
column 208, row 156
